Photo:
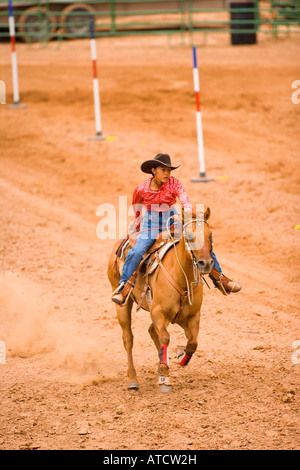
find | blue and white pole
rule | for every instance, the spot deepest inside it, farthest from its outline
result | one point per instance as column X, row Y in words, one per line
column 198, row 115
column 199, row 121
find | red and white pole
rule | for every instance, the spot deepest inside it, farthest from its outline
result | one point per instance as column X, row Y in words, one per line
column 199, row 122
column 97, row 105
column 12, row 33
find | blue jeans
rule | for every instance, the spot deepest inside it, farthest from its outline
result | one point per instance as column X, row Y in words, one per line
column 152, row 224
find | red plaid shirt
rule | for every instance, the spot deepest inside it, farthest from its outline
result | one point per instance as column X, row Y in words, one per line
column 162, row 200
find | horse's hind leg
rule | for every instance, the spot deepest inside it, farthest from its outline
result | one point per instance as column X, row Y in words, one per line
column 124, row 317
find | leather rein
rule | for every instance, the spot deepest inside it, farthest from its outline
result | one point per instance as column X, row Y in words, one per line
column 187, row 294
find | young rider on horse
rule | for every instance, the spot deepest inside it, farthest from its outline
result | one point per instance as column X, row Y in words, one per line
column 158, row 195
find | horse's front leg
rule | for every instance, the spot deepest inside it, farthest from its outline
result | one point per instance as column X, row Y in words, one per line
column 159, row 334
column 124, row 317
column 191, row 329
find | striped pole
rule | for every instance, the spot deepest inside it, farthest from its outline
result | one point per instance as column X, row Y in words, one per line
column 97, row 105
column 199, row 121
column 198, row 114
column 13, row 52
column 11, row 21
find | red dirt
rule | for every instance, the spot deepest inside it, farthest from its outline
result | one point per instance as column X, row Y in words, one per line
column 64, row 384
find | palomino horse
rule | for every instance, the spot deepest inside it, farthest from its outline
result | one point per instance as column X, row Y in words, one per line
column 177, row 292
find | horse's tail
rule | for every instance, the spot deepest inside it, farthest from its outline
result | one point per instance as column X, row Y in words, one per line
column 113, row 268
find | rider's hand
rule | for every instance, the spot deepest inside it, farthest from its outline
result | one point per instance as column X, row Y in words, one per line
column 177, row 218
column 132, row 227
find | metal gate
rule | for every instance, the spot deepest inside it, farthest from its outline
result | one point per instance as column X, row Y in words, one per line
column 45, row 20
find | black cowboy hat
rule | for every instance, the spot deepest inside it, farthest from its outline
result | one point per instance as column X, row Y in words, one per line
column 161, row 159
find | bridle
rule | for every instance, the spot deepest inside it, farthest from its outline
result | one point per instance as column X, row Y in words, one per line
column 199, row 222
column 196, row 270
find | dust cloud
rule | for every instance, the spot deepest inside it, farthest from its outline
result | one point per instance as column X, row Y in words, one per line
column 28, row 328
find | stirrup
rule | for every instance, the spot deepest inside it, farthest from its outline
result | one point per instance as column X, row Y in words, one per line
column 221, row 287
column 118, row 302
column 217, row 277
column 128, row 286
column 117, row 289
column 222, row 283
column 115, row 292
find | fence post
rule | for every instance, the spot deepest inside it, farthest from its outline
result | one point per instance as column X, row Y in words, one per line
column 113, row 17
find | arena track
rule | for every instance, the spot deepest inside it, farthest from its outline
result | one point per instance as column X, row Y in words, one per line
column 64, row 384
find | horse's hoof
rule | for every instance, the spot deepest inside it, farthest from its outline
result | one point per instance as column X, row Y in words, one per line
column 133, row 385
column 164, row 384
column 165, row 388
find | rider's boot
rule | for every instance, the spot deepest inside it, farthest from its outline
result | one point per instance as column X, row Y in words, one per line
column 119, row 297
column 223, row 283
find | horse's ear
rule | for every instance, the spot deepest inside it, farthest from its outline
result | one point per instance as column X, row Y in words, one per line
column 207, row 214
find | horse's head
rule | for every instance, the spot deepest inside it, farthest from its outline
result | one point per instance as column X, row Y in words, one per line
column 198, row 240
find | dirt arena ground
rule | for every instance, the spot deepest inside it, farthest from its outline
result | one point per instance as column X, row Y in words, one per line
column 64, row 383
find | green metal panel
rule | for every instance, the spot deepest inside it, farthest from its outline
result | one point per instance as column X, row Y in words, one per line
column 48, row 19
column 286, row 10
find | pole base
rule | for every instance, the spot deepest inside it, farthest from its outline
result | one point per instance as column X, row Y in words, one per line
column 16, row 106
column 98, row 137
column 202, row 179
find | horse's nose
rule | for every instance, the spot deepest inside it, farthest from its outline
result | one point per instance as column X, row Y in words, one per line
column 205, row 264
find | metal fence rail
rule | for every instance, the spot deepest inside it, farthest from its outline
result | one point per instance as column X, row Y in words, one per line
column 44, row 20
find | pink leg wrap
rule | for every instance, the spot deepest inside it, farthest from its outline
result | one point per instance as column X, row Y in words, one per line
column 185, row 360
column 163, row 355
